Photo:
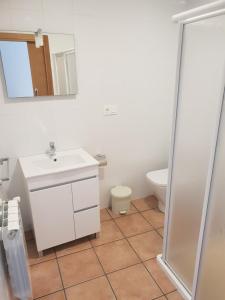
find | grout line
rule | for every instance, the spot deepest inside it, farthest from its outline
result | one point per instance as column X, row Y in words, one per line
column 159, row 232
column 166, row 295
column 107, row 214
column 40, row 262
column 60, row 276
column 57, row 257
column 93, row 246
column 85, row 281
column 105, row 274
column 119, row 229
column 149, row 208
column 133, row 234
column 158, row 297
column 154, row 280
column 73, row 252
column 48, row 294
column 145, row 266
column 64, row 291
column 156, row 228
column 123, row 268
column 147, row 220
column 124, row 236
column 140, row 233
column 109, row 242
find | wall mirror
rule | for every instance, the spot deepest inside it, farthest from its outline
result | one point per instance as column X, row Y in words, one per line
column 38, row 64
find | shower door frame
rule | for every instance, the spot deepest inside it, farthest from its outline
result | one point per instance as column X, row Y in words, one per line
column 184, row 19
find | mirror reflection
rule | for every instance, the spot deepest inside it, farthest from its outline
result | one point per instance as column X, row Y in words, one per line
column 36, row 64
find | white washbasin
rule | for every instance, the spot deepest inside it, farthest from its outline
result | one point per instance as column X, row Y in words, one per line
column 58, row 161
column 42, row 164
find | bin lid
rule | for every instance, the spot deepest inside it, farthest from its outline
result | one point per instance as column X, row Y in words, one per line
column 121, row 191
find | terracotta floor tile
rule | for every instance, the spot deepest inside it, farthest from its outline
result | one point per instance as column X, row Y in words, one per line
column 155, row 217
column 33, row 257
column 134, row 283
column 147, row 245
column 161, row 298
column 131, row 211
column 133, row 224
column 56, row 296
column 159, row 276
column 45, row 278
column 161, row 231
column 79, row 267
column 145, row 203
column 109, row 233
column 96, row 289
column 116, row 255
column 104, row 215
column 174, row 296
column 72, row 247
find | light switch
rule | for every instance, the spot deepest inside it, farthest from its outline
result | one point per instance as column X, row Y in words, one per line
column 110, row 110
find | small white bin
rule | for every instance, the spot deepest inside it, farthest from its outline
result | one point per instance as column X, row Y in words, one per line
column 121, row 197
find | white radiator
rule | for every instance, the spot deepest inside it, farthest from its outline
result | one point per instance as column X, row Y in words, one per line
column 12, row 236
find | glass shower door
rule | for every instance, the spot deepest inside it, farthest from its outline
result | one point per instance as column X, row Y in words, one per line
column 201, row 78
column 211, row 273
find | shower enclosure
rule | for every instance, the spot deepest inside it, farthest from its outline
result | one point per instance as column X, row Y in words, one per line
column 194, row 244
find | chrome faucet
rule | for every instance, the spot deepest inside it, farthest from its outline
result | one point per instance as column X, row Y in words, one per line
column 52, row 150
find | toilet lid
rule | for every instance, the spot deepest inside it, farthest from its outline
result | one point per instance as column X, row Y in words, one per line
column 159, row 177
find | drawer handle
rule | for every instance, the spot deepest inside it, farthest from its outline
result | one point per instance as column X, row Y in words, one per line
column 90, row 207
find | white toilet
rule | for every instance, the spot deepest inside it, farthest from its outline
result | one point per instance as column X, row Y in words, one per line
column 158, row 180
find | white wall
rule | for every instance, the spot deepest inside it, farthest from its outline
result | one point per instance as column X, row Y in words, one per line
column 126, row 55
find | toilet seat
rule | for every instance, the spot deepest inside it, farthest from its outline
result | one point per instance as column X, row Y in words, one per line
column 159, row 177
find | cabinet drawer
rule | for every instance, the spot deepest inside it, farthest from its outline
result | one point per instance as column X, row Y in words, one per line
column 85, row 193
column 87, row 222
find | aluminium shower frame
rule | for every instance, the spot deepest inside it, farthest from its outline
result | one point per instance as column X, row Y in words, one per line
column 203, row 12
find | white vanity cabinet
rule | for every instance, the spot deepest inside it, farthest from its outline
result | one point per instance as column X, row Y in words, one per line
column 65, row 212
column 63, row 196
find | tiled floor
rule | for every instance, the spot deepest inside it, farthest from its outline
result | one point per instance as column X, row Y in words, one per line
column 119, row 264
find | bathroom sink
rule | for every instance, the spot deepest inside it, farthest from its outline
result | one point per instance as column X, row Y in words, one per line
column 58, row 161
column 42, row 164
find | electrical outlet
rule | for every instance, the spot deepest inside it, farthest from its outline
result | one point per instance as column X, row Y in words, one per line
column 110, row 110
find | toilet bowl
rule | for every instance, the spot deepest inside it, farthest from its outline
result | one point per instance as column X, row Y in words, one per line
column 158, row 182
